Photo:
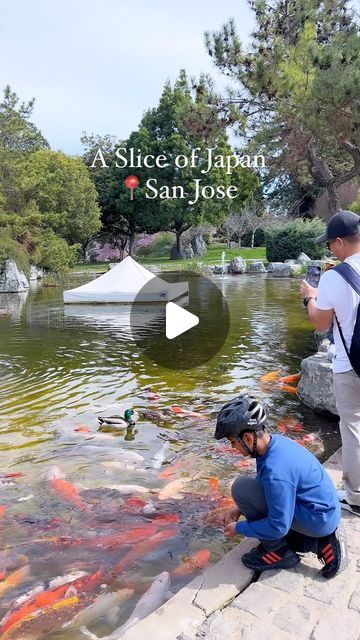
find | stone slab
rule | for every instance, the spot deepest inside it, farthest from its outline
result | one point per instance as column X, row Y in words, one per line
column 225, row 579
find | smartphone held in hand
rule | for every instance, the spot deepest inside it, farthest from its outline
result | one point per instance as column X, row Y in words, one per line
column 313, row 273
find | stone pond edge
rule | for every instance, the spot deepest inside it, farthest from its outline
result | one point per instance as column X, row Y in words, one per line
column 182, row 616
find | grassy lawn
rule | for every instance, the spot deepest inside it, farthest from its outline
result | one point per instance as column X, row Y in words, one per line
column 213, row 256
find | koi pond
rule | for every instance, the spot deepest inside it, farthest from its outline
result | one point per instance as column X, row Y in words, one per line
column 90, row 515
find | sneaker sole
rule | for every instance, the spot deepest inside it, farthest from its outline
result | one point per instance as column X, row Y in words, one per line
column 348, row 507
column 341, row 538
column 270, row 567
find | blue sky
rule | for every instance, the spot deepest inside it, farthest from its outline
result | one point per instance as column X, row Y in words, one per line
column 96, row 65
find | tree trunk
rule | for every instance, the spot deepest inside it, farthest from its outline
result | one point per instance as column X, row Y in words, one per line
column 334, row 203
column 239, row 242
column 131, row 242
column 252, row 239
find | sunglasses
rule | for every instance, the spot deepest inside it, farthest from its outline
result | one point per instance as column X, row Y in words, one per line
column 328, row 244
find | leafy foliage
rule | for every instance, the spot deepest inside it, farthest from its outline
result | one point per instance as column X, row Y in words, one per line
column 287, row 240
column 298, row 97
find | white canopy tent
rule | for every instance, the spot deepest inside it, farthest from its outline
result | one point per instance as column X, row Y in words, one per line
column 125, row 283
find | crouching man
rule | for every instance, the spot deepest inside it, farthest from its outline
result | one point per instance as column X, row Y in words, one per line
column 291, row 505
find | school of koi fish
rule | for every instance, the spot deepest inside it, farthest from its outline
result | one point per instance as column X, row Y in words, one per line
column 94, row 538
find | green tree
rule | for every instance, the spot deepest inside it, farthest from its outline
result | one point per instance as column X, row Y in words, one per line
column 299, row 89
column 64, row 195
column 183, row 122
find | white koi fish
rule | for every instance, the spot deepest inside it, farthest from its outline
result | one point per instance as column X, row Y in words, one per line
column 154, row 597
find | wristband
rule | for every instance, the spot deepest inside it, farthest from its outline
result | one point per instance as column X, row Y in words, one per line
column 307, row 300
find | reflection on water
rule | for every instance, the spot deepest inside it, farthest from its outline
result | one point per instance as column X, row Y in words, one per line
column 61, row 368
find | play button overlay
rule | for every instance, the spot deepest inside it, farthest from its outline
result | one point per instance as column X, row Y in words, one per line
column 179, row 320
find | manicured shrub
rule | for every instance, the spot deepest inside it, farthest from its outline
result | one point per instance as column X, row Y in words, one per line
column 288, row 239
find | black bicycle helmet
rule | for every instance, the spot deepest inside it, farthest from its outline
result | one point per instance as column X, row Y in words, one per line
column 238, row 415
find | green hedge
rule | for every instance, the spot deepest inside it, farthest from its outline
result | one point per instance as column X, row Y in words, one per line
column 287, row 240
column 10, row 249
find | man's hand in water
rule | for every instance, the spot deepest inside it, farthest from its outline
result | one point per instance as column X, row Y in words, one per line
column 230, row 530
column 222, row 516
column 230, row 515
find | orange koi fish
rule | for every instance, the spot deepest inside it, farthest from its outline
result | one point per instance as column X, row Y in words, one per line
column 191, row 414
column 14, row 474
column 290, row 425
column 135, row 502
column 2, row 510
column 82, row 428
column 300, row 442
column 14, row 579
column 172, row 469
column 214, row 487
column 290, row 379
column 143, row 548
column 273, row 376
column 287, row 387
column 199, row 560
column 164, row 519
column 47, row 618
column 114, row 540
column 226, row 502
column 50, row 597
column 65, row 489
column 243, row 463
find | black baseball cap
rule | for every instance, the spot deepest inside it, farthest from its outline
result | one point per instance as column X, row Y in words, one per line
column 340, row 225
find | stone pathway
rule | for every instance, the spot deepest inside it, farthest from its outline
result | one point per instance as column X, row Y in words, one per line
column 225, row 603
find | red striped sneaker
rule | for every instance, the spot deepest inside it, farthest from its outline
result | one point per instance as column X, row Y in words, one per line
column 332, row 552
column 260, row 559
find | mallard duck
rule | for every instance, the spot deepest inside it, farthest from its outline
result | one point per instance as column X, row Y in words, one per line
column 129, row 419
column 153, row 416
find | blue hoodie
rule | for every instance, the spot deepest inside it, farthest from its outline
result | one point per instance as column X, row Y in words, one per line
column 296, row 486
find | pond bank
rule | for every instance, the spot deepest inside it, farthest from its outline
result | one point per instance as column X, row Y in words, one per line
column 226, row 601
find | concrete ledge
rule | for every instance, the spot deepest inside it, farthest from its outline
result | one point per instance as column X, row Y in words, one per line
column 183, row 614
column 298, row 604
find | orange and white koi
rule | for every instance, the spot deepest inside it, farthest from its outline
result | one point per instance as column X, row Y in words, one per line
column 14, row 579
column 185, row 412
column 2, row 510
column 290, row 425
column 173, row 490
column 65, row 489
column 199, row 560
column 143, row 548
column 172, row 469
column 34, row 623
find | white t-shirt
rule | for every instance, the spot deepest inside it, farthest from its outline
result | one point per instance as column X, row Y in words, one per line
column 335, row 293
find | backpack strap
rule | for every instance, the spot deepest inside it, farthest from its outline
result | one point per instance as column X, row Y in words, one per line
column 353, row 279
column 350, row 275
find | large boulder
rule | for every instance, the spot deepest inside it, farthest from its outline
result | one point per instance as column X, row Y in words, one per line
column 295, row 269
column 185, row 253
column 198, row 245
column 36, row 273
column 315, row 388
column 237, row 265
column 303, row 258
column 12, row 280
column 281, row 270
column 273, row 265
column 255, row 267
column 219, row 270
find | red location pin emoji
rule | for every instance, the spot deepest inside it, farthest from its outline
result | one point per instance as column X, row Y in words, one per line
column 131, row 183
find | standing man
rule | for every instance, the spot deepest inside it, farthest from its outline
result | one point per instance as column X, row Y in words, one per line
column 336, row 300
